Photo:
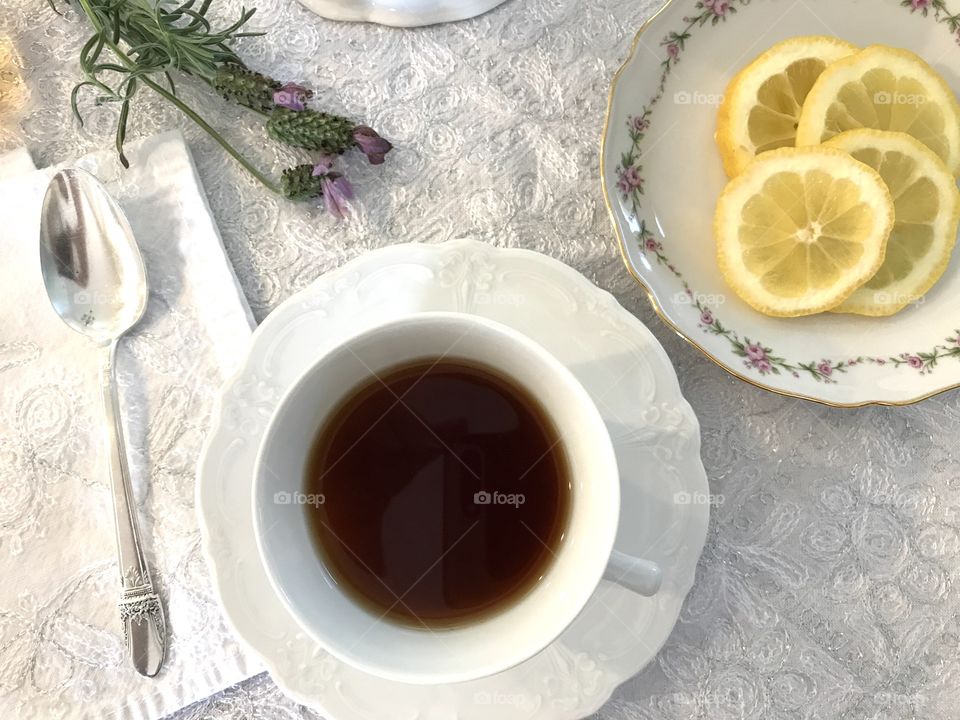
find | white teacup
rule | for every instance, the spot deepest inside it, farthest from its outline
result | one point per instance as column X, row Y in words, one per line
column 493, row 643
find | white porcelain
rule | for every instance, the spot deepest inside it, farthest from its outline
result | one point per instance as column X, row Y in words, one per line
column 661, row 120
column 627, row 374
column 416, row 654
column 400, row 13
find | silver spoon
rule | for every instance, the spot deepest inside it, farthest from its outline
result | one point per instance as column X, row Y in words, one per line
column 95, row 280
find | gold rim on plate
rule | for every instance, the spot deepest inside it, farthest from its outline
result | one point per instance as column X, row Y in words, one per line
column 624, row 255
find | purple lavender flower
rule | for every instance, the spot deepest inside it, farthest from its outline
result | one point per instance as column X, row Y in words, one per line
column 324, row 165
column 292, row 96
column 337, row 192
column 371, row 144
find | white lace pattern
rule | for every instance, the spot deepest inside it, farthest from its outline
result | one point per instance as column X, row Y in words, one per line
column 828, row 585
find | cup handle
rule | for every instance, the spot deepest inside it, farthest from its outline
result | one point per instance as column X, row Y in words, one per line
column 633, row 573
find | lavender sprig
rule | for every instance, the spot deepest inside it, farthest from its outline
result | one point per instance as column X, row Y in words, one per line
column 310, row 130
column 245, row 87
column 150, row 40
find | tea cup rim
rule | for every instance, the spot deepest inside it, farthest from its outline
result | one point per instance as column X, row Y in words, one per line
column 580, row 589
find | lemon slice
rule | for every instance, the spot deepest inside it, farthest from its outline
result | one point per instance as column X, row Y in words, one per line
column 801, row 228
column 926, row 206
column 762, row 103
column 886, row 89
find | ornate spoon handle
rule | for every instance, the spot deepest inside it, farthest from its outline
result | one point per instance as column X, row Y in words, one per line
column 144, row 628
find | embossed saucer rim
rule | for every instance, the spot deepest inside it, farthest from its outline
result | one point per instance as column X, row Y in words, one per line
column 683, row 580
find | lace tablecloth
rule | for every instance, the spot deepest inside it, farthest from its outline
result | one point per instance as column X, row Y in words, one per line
column 828, row 585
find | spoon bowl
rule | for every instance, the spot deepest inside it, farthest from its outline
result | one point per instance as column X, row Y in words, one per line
column 90, row 262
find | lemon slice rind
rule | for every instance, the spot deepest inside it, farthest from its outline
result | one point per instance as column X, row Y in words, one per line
column 891, row 298
column 741, row 98
column 899, row 103
column 728, row 222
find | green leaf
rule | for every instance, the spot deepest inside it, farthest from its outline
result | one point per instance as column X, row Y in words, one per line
column 91, row 51
column 74, row 94
column 122, row 131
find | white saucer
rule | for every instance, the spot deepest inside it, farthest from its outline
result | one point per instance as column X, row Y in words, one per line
column 664, row 488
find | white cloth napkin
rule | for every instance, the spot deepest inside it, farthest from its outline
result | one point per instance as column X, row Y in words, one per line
column 14, row 163
column 61, row 643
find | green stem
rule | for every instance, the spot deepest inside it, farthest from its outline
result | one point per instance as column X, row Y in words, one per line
column 177, row 102
column 186, row 110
